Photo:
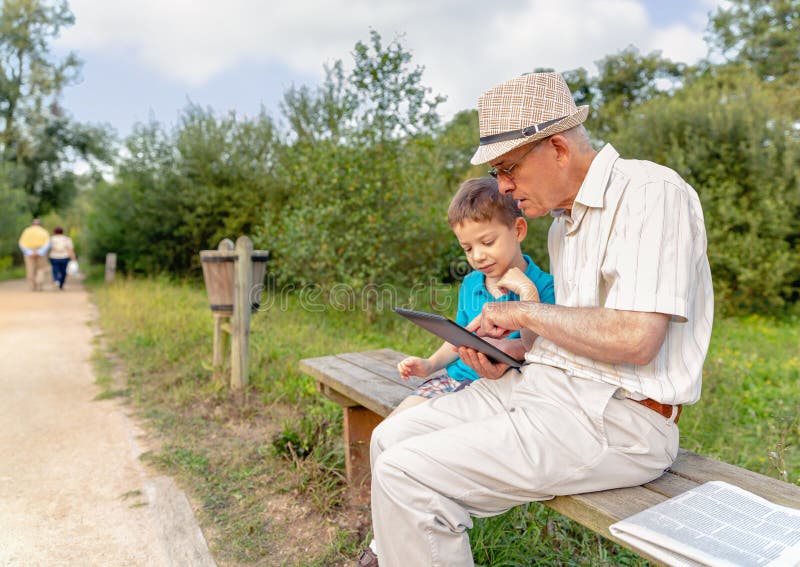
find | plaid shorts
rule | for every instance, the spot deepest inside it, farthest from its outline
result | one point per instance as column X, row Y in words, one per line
column 440, row 384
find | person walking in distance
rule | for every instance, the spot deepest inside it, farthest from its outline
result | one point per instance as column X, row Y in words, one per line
column 34, row 242
column 61, row 252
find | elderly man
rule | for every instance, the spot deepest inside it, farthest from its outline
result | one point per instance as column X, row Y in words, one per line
column 607, row 368
column 34, row 242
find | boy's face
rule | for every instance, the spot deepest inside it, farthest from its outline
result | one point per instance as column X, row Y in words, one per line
column 491, row 247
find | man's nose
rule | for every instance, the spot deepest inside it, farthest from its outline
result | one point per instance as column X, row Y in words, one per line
column 505, row 184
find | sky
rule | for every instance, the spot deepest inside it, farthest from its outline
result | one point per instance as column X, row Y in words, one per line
column 148, row 59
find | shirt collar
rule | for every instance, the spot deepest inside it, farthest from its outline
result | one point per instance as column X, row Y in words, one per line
column 593, row 189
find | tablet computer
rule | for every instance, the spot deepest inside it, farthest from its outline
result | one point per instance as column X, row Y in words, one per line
column 457, row 335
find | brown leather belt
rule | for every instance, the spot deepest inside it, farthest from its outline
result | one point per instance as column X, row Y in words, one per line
column 658, row 407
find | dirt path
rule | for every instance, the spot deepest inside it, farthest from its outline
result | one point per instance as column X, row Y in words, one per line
column 72, row 488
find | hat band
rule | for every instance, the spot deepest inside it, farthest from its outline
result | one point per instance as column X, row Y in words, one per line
column 522, row 133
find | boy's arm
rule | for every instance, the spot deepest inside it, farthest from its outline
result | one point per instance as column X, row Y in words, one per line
column 415, row 366
column 443, row 356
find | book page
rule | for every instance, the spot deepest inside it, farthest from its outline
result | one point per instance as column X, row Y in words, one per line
column 716, row 524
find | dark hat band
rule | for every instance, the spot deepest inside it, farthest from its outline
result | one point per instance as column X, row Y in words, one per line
column 522, row 133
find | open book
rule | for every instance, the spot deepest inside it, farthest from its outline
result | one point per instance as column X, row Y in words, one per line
column 715, row 524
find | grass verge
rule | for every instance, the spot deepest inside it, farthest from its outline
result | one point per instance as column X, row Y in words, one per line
column 265, row 468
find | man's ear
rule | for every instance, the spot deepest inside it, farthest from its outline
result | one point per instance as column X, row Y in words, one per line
column 562, row 149
column 521, row 228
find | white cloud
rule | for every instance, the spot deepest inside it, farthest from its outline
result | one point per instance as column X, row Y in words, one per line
column 464, row 45
column 677, row 42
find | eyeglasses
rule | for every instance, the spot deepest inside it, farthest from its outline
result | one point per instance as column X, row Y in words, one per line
column 506, row 171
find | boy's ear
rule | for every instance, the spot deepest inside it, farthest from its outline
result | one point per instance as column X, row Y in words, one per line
column 521, row 227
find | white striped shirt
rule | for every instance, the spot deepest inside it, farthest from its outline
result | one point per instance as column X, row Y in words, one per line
column 635, row 241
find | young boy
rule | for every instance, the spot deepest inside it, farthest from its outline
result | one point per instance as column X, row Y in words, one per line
column 489, row 227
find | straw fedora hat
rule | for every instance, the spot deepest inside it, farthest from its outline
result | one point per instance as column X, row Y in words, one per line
column 524, row 110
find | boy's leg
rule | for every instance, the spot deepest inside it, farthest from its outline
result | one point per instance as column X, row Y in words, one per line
column 435, row 466
column 438, row 385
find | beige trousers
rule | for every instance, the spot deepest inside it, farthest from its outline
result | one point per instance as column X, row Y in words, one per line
column 530, row 435
column 36, row 268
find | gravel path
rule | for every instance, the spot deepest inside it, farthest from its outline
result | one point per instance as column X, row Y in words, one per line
column 72, row 488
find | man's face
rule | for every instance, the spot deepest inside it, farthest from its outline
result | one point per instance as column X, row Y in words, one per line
column 536, row 179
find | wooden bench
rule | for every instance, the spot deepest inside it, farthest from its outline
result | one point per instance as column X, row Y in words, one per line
column 368, row 387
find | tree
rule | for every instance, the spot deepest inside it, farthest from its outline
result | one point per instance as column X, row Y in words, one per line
column 14, row 215
column 226, row 176
column 726, row 135
column 624, row 81
column 763, row 34
column 36, row 136
column 367, row 204
column 138, row 216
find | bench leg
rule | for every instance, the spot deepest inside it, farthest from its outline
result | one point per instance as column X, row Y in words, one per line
column 358, row 425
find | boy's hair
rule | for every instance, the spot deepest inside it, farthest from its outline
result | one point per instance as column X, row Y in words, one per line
column 478, row 199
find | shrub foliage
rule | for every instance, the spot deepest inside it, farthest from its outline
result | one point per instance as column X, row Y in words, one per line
column 350, row 184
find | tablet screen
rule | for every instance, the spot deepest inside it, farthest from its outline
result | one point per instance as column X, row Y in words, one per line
column 456, row 335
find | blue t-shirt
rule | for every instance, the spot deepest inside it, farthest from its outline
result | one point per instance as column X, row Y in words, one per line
column 473, row 295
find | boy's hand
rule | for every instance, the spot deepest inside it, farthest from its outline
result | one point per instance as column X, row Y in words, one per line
column 515, row 280
column 414, row 366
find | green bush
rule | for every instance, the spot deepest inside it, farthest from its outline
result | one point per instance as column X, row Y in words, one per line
column 14, row 214
column 183, row 191
column 725, row 135
column 368, row 203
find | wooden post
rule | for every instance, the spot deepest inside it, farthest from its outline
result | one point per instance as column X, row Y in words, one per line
column 240, row 340
column 220, row 318
column 358, row 425
column 111, row 266
column 219, row 340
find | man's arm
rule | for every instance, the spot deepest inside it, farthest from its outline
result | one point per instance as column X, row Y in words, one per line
column 605, row 335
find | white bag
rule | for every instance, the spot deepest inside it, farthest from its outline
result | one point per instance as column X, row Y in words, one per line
column 72, row 268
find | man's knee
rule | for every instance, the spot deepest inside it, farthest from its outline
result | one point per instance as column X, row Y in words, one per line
column 379, row 441
column 388, row 465
column 388, row 433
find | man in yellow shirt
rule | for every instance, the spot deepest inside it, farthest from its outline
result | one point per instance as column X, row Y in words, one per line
column 34, row 242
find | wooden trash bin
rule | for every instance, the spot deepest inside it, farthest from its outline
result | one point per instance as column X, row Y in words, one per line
column 234, row 276
column 218, row 268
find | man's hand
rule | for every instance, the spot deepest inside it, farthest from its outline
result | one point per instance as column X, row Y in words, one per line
column 498, row 319
column 515, row 280
column 414, row 366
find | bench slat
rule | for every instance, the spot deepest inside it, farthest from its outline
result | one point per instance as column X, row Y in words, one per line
column 380, row 367
column 387, row 355
column 669, row 485
column 356, row 383
column 598, row 510
column 700, row 469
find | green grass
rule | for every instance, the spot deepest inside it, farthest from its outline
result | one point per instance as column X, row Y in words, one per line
column 748, row 413
column 12, row 273
column 266, row 468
